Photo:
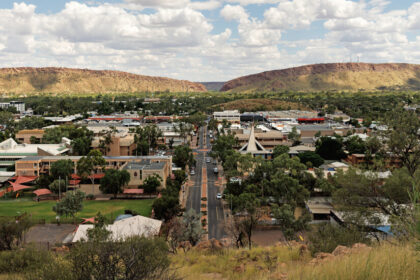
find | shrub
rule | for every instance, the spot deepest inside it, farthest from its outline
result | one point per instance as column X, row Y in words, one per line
column 327, row 237
column 23, row 260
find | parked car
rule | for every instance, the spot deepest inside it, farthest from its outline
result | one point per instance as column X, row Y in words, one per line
column 192, row 172
column 215, row 170
column 219, row 196
column 208, row 160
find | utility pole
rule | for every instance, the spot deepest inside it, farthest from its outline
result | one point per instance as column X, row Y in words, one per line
column 59, row 187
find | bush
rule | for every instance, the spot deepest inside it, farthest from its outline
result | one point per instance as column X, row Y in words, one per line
column 327, row 237
column 204, row 198
column 90, row 196
column 23, row 260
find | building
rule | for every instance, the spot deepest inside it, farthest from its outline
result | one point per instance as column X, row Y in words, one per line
column 36, row 165
column 230, row 116
column 123, row 229
column 268, row 139
column 296, row 150
column 141, row 170
column 122, row 144
column 19, row 105
column 319, row 208
column 254, row 148
column 10, row 151
column 25, row 135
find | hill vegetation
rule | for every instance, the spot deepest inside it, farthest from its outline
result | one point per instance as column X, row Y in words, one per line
column 260, row 104
column 66, row 81
column 331, row 77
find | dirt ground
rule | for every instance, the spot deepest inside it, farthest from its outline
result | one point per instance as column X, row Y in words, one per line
column 267, row 237
column 48, row 233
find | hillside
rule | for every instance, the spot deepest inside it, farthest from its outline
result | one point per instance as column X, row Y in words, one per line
column 330, row 77
column 31, row 81
column 283, row 262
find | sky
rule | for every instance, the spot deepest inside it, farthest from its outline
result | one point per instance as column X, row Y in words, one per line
column 206, row 40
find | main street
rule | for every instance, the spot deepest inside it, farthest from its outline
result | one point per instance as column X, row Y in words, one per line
column 215, row 213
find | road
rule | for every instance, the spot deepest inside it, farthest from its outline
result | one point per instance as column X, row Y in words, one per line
column 215, row 213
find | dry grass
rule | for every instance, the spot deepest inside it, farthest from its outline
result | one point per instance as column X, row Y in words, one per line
column 279, row 262
column 260, row 104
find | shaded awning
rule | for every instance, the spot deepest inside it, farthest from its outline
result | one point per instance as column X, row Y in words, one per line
column 96, row 176
column 18, row 187
column 24, row 179
column 133, row 191
column 75, row 176
column 40, row 192
column 89, row 220
column 74, row 182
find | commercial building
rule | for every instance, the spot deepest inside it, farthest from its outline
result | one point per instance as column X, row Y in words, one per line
column 141, row 170
column 230, row 116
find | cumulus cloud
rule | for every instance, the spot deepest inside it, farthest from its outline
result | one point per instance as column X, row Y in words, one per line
column 182, row 39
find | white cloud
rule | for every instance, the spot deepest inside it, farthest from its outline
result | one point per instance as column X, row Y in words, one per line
column 177, row 39
column 236, row 12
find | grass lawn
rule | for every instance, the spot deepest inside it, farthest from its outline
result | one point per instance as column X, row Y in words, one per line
column 43, row 210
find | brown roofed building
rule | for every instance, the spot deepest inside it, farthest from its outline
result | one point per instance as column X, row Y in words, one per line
column 25, row 135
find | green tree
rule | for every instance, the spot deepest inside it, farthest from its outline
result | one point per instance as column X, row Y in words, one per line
column 70, row 204
column 312, row 157
column 62, row 168
column 12, row 230
column 403, row 138
column 279, row 150
column 355, row 145
column 183, row 156
column 166, row 207
column 289, row 225
column 152, row 183
column 223, row 146
column 248, row 207
column 330, row 148
column 294, row 136
column 58, row 186
column 88, row 165
column 114, row 181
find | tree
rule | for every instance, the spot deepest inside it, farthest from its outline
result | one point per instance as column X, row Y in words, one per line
column 183, row 156
column 223, row 146
column 114, row 181
column 248, row 208
column 279, row 150
column 403, row 138
column 70, row 204
column 285, row 216
column 312, row 157
column 62, row 168
column 355, row 145
column 81, row 146
column 151, row 183
column 294, row 136
column 193, row 230
column 166, row 207
column 99, row 232
column 88, row 165
column 58, row 186
column 12, row 230
column 147, row 138
column 330, row 148
column 34, row 140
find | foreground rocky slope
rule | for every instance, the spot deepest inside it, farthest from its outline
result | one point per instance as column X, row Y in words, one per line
column 30, row 81
column 331, row 76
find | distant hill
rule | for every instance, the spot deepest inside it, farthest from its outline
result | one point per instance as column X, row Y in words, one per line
column 332, row 76
column 32, row 81
column 213, row 86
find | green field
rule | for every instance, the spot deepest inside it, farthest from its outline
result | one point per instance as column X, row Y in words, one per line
column 43, row 210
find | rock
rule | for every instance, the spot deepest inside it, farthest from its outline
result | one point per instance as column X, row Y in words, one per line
column 303, row 249
column 239, row 268
column 322, row 255
column 341, row 250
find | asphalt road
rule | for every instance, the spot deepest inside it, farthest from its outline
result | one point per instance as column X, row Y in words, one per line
column 215, row 214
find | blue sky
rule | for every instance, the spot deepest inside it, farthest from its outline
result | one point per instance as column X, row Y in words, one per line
column 206, row 40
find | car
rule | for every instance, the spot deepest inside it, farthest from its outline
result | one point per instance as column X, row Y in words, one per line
column 219, row 196
column 192, row 172
column 208, row 160
column 215, row 170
